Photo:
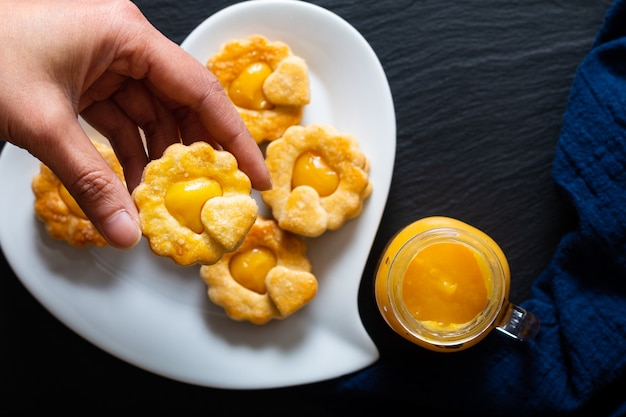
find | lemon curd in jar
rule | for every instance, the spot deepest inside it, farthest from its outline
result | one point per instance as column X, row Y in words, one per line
column 446, row 284
column 442, row 284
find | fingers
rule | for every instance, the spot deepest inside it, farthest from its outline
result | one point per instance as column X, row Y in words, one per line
column 89, row 179
column 196, row 98
column 123, row 136
column 118, row 119
column 158, row 124
column 226, row 128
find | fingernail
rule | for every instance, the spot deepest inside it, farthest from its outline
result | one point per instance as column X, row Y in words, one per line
column 121, row 230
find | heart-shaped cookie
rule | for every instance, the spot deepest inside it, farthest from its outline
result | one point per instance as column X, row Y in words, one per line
column 288, row 84
column 303, row 213
column 227, row 219
column 289, row 289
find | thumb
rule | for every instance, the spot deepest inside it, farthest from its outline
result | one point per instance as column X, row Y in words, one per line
column 97, row 189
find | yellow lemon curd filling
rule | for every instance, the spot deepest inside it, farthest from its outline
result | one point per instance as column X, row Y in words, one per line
column 72, row 205
column 249, row 268
column 445, row 284
column 184, row 200
column 247, row 89
column 312, row 170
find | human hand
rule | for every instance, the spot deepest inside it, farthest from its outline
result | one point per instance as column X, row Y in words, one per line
column 105, row 61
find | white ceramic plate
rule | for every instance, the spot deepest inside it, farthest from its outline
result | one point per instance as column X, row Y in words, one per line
column 154, row 314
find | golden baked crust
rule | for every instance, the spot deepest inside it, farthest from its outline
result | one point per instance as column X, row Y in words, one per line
column 224, row 219
column 289, row 285
column 301, row 209
column 62, row 217
column 286, row 89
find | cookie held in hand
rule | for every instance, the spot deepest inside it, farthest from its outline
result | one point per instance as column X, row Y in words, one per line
column 194, row 204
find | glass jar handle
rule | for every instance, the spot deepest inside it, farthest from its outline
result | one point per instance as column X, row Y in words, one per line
column 519, row 323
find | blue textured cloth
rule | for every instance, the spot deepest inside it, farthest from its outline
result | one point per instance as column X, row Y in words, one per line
column 578, row 360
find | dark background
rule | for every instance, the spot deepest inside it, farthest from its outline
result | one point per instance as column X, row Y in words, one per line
column 479, row 88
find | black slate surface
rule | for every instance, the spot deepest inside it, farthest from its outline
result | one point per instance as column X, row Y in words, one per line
column 479, row 89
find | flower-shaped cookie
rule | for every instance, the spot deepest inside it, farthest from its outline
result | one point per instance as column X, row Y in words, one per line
column 268, row 277
column 57, row 209
column 267, row 83
column 194, row 204
column 320, row 179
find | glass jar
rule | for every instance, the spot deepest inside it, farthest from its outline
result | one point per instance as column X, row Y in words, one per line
column 444, row 285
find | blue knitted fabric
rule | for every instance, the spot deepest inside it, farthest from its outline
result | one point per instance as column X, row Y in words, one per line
column 578, row 360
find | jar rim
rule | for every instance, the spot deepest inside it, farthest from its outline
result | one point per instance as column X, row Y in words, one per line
column 453, row 334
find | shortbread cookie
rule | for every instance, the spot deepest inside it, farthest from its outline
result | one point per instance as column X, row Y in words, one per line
column 57, row 209
column 266, row 82
column 320, row 179
column 268, row 277
column 194, row 204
